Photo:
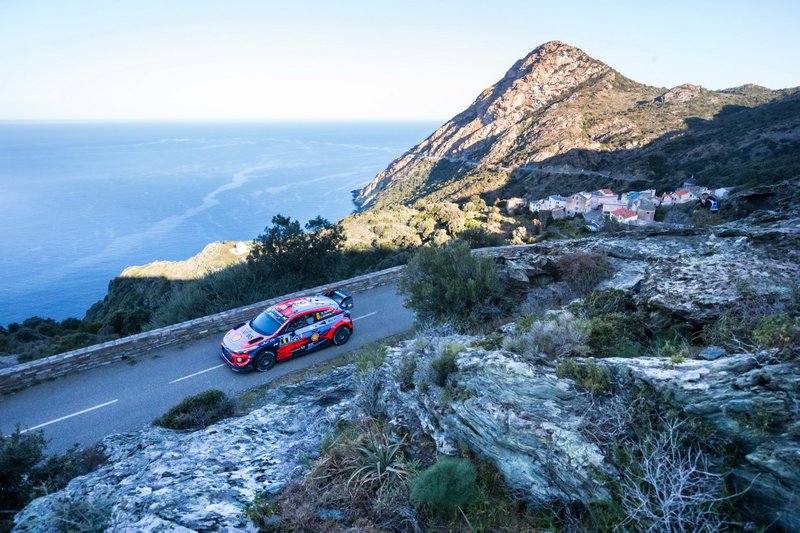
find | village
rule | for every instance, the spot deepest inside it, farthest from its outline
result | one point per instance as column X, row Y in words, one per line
column 634, row 208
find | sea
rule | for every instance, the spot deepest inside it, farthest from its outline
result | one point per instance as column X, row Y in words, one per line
column 79, row 202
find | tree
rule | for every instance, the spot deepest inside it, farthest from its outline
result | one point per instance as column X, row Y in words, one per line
column 449, row 284
column 285, row 252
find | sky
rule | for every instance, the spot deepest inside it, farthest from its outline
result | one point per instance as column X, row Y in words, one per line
column 262, row 60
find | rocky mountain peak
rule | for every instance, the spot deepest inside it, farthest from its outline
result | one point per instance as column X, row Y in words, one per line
column 487, row 130
column 548, row 72
column 559, row 115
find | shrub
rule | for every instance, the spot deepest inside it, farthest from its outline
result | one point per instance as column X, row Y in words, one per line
column 447, row 485
column 480, row 238
column 675, row 349
column 778, row 331
column 26, row 473
column 613, row 325
column 198, row 411
column 84, row 515
column 602, row 302
column 587, row 374
column 381, row 462
column 445, row 364
column 19, row 454
column 405, row 372
column 448, row 283
column 554, row 335
column 370, row 357
column 583, row 270
column 369, row 385
column 667, row 485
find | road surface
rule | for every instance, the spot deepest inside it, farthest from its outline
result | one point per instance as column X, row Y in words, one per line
column 119, row 398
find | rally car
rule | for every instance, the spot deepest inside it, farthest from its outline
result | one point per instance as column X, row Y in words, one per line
column 289, row 328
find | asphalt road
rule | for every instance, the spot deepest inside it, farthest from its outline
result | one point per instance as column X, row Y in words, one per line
column 119, row 398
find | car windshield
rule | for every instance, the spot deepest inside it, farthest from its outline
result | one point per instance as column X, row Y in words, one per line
column 266, row 323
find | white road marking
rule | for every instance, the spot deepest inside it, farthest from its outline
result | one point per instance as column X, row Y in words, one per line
column 69, row 416
column 196, row 373
column 365, row 316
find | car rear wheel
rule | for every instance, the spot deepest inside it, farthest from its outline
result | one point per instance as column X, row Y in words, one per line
column 264, row 361
column 341, row 335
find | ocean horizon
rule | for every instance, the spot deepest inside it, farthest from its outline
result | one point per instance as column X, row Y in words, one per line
column 82, row 200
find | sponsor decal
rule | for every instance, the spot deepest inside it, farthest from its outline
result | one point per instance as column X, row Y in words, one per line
column 315, row 337
column 236, row 337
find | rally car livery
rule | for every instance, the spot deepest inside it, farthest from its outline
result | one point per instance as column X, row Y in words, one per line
column 289, row 328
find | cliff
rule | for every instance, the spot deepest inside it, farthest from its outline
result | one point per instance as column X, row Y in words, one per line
column 559, row 119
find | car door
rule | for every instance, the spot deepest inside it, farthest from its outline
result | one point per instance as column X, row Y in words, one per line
column 296, row 336
column 289, row 340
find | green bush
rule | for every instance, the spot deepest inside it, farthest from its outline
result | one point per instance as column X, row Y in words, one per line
column 586, row 374
column 445, row 364
column 447, row 485
column 602, row 302
column 405, row 372
column 553, row 335
column 778, row 331
column 19, row 454
column 27, row 473
column 478, row 237
column 449, row 284
column 583, row 270
column 198, row 411
column 370, row 357
column 614, row 335
column 83, row 515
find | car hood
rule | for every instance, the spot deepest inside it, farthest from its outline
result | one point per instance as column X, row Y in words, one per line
column 242, row 338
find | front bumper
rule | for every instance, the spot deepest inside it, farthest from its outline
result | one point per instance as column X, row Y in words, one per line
column 228, row 358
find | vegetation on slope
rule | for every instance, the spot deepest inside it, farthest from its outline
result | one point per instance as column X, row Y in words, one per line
column 26, row 472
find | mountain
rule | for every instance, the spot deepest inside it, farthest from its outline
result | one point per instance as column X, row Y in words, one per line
column 559, row 121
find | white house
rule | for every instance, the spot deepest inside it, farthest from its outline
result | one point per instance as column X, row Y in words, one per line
column 554, row 201
column 579, row 203
column 613, row 205
column 602, row 196
column 624, row 215
column 684, row 196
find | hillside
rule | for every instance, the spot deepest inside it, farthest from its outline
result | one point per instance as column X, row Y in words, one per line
column 560, row 121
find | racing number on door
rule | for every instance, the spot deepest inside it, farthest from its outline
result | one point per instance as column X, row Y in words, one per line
column 295, row 337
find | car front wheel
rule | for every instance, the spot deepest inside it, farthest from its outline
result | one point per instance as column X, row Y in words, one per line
column 264, row 361
column 341, row 335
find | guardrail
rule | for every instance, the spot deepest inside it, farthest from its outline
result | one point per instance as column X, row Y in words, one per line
column 141, row 344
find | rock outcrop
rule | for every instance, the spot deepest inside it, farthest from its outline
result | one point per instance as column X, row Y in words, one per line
column 520, row 416
column 753, row 401
column 163, row 480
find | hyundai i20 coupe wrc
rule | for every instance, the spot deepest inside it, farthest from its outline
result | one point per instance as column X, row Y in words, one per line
column 289, row 328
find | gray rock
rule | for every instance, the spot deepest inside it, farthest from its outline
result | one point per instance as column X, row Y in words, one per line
column 753, row 402
column 519, row 416
column 711, row 353
column 162, row 480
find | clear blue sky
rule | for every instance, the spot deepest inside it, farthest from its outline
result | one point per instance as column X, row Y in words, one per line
column 360, row 60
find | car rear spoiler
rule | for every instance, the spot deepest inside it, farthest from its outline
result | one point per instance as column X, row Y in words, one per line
column 341, row 297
